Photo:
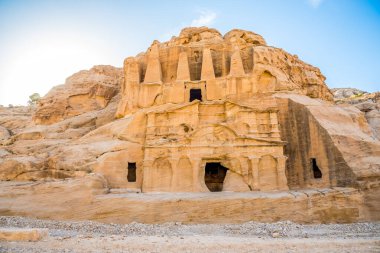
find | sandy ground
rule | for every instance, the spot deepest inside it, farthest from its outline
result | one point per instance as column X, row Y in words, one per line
column 65, row 236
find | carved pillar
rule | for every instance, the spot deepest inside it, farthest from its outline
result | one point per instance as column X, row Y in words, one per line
column 147, row 177
column 175, row 175
column 133, row 73
column 183, row 71
column 153, row 70
column 236, row 69
column 255, row 173
column 274, row 122
column 207, row 65
column 224, row 63
column 130, row 88
column 133, row 77
column 282, row 183
column 253, row 125
column 244, row 169
column 198, row 176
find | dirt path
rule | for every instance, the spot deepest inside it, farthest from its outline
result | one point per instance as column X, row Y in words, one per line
column 174, row 237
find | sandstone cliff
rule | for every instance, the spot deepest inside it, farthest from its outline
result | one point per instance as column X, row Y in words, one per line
column 31, row 138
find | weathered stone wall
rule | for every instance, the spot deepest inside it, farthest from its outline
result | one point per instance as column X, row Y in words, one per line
column 338, row 137
column 306, row 139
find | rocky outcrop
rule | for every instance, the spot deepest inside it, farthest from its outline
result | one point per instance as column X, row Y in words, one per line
column 31, row 153
column 30, row 147
column 341, row 93
column 4, row 133
column 368, row 103
column 14, row 119
column 87, row 90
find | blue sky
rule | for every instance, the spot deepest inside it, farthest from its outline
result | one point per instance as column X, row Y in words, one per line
column 43, row 42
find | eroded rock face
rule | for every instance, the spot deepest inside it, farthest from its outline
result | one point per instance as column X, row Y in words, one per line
column 4, row 133
column 30, row 148
column 51, row 151
column 85, row 91
column 14, row 119
column 368, row 103
column 202, row 112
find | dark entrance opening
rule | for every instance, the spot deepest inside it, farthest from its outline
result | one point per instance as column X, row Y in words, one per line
column 131, row 172
column 195, row 94
column 214, row 176
column 317, row 173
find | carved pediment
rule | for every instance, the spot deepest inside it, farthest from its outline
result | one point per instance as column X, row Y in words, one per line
column 213, row 134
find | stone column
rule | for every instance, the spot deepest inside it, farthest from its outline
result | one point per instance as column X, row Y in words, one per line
column 183, row 70
column 133, row 77
column 133, row 73
column 255, row 173
column 130, row 88
column 207, row 65
column 198, row 176
column 153, row 72
column 174, row 182
column 245, row 170
column 146, row 173
column 236, row 69
column 282, row 183
column 274, row 124
column 253, row 125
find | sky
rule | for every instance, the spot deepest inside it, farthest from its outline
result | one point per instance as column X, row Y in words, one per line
column 43, row 42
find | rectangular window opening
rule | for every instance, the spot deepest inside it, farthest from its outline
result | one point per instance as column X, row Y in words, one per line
column 131, row 172
column 317, row 173
column 195, row 94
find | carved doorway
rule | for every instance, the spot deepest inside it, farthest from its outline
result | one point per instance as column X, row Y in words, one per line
column 215, row 174
column 131, row 172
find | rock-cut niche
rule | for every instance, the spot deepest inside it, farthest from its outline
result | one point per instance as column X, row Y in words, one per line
column 195, row 94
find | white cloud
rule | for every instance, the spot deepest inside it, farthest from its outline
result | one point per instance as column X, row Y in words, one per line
column 206, row 18
column 315, row 3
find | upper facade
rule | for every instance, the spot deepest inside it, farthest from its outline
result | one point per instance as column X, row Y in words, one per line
column 202, row 64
